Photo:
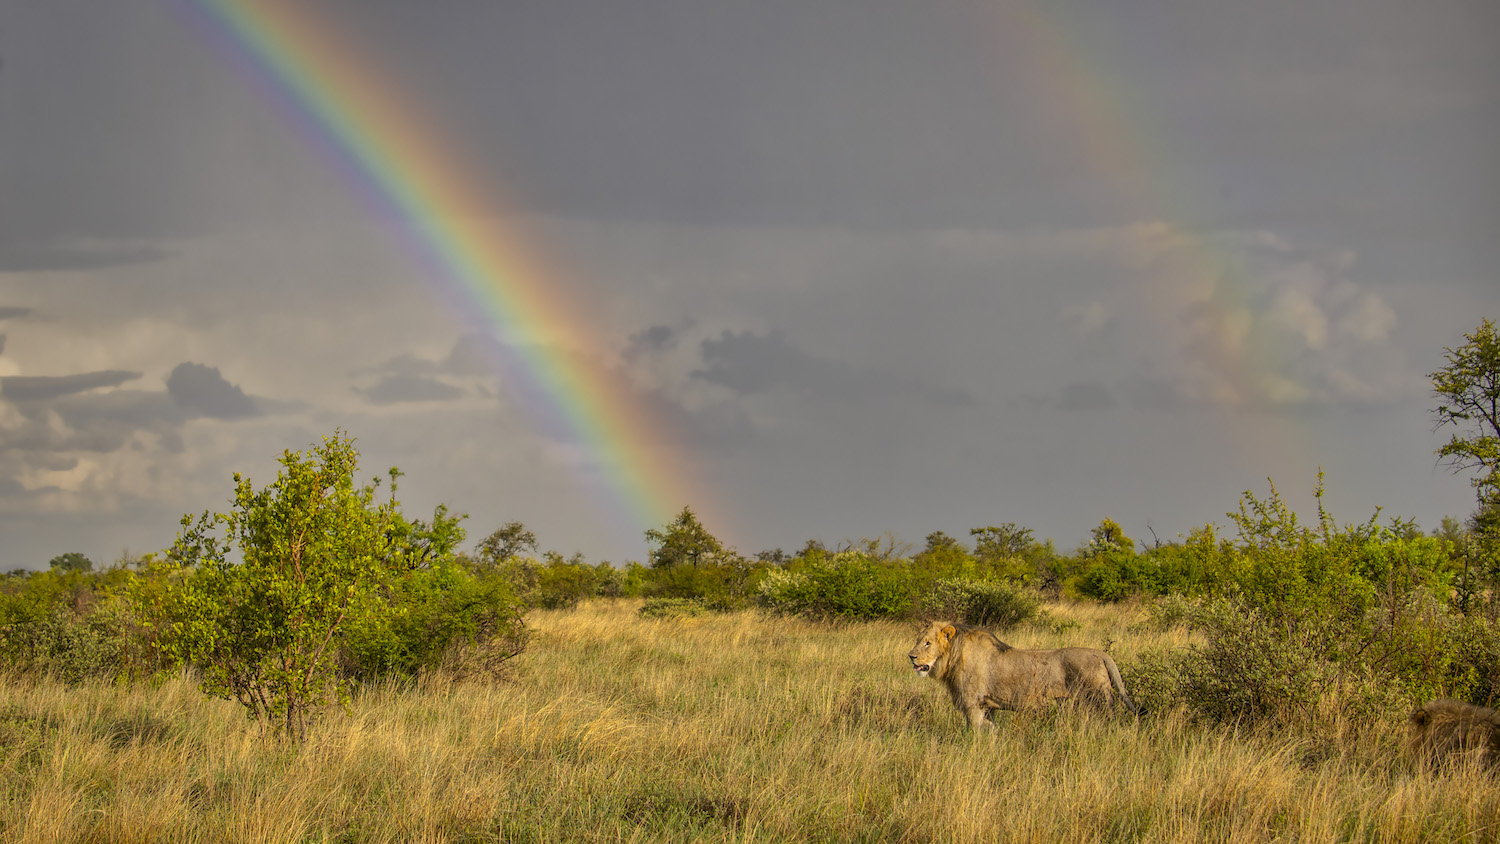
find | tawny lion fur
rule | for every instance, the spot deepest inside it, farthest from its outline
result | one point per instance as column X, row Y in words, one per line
column 983, row 673
column 1450, row 730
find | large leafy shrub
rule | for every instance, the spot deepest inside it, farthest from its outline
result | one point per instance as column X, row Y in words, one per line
column 1253, row 669
column 987, row 603
column 847, row 586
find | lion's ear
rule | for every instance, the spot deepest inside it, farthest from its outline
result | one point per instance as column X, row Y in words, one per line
column 949, row 631
column 1421, row 717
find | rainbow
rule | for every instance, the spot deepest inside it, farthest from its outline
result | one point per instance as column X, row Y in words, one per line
column 476, row 253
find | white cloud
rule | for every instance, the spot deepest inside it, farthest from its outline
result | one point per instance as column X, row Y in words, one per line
column 1296, row 311
column 1370, row 320
column 1089, row 319
column 1261, row 321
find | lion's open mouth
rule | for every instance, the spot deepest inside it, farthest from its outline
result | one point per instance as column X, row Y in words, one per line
column 922, row 669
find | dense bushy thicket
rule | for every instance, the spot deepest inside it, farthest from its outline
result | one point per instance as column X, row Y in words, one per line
column 1301, row 624
column 64, row 623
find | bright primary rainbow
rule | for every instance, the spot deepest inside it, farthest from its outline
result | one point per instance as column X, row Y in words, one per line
column 400, row 158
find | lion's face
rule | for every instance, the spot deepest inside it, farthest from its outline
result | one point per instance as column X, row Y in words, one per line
column 931, row 646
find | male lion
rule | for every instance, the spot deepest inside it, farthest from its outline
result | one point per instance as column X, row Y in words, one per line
column 983, row 673
column 1451, row 729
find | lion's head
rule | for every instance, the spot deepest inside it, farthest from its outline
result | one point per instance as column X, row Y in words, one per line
column 931, row 646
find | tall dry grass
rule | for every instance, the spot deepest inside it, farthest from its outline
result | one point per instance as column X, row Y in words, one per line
column 719, row 728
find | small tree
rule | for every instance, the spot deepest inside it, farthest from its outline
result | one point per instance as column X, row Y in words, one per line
column 316, row 551
column 507, row 542
column 1468, row 392
column 71, row 561
column 998, row 543
column 684, row 541
column 1008, row 551
column 1109, row 536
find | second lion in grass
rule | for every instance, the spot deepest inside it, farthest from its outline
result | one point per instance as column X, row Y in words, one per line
column 983, row 673
column 1446, row 731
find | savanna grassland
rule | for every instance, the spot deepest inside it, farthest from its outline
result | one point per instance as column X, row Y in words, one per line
column 721, row 727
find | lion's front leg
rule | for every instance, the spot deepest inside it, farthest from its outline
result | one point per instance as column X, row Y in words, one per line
column 977, row 714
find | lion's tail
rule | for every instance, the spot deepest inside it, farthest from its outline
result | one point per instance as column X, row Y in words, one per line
column 1114, row 676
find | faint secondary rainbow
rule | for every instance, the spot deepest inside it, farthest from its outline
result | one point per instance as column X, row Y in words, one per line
column 1120, row 142
column 398, row 156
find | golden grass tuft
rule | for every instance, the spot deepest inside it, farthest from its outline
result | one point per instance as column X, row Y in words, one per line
column 715, row 728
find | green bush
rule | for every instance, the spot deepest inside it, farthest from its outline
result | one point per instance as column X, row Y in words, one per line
column 63, row 622
column 1110, row 577
column 1257, row 668
column 64, row 645
column 672, row 608
column 1431, row 650
column 986, row 603
column 725, row 586
column 561, row 585
column 1251, row 669
column 440, row 617
column 848, row 586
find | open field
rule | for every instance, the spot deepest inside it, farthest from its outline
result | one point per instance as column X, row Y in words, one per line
column 732, row 728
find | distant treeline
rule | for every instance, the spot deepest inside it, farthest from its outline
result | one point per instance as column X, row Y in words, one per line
column 1288, row 613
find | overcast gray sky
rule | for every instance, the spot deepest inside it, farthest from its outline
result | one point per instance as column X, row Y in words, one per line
column 889, row 266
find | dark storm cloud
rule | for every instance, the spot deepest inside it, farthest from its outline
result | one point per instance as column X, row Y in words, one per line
column 1163, row 394
column 749, row 364
column 891, row 113
column 15, row 313
column 1086, row 397
column 107, row 421
column 203, row 390
column 406, row 364
column 397, row 389
column 92, row 422
column 877, row 112
column 473, row 354
column 39, row 257
column 654, row 340
column 43, row 387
